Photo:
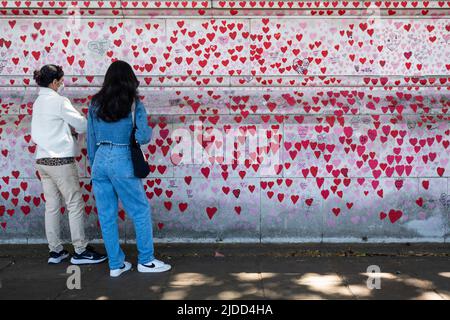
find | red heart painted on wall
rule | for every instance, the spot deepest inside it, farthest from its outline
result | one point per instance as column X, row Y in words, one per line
column 211, row 211
column 395, row 215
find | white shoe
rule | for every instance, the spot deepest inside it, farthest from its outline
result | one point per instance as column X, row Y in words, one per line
column 154, row 266
column 118, row 272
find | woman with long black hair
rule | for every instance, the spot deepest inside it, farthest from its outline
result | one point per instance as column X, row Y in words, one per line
column 110, row 123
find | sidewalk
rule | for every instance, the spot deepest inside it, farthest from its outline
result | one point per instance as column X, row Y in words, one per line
column 240, row 271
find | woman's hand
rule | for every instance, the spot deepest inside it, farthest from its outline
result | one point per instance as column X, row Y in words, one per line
column 73, row 132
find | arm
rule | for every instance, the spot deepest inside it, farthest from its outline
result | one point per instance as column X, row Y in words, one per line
column 143, row 130
column 91, row 141
column 73, row 117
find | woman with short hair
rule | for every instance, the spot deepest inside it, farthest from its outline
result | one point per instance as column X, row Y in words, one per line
column 54, row 125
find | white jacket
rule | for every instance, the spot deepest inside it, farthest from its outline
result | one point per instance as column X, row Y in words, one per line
column 50, row 130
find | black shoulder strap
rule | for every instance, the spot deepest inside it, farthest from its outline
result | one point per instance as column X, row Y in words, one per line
column 133, row 117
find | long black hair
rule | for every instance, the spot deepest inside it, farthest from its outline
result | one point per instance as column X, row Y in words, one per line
column 120, row 88
column 47, row 74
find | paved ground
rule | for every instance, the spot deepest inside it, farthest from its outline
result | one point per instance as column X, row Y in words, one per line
column 240, row 271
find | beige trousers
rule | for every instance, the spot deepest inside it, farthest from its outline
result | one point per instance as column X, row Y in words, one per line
column 62, row 182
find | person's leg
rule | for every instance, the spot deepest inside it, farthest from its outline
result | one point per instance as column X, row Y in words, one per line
column 66, row 177
column 132, row 195
column 52, row 209
column 107, row 207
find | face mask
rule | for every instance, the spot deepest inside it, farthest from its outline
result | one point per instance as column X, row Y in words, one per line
column 61, row 87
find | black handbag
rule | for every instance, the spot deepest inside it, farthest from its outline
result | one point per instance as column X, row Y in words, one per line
column 140, row 165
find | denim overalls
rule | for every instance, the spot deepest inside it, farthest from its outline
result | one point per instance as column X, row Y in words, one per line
column 113, row 178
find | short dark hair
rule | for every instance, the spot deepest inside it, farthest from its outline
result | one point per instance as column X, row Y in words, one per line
column 47, row 74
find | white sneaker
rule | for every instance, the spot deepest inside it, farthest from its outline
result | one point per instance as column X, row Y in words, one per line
column 118, row 272
column 154, row 266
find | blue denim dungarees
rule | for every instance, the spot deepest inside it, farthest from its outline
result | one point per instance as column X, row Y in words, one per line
column 113, row 178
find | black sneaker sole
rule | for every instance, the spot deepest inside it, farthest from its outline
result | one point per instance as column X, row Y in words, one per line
column 57, row 260
column 87, row 261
